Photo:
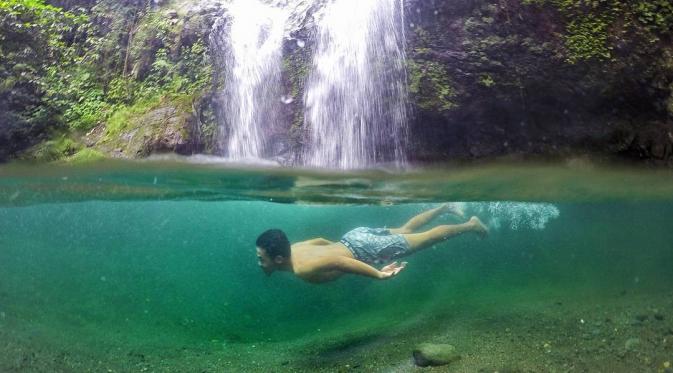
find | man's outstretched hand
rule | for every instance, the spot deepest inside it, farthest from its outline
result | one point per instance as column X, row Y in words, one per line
column 392, row 270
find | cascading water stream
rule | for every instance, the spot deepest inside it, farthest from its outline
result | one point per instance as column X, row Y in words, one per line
column 250, row 41
column 356, row 92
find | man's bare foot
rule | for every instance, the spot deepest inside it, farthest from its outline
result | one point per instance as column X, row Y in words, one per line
column 479, row 227
column 454, row 209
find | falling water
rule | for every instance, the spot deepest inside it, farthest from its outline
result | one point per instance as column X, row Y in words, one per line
column 356, row 92
column 250, row 38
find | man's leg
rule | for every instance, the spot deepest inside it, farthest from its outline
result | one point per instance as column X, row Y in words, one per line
column 419, row 241
column 425, row 217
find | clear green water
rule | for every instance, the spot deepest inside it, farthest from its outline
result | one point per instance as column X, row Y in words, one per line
column 151, row 267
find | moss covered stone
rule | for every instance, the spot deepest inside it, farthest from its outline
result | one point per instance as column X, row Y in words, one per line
column 60, row 146
column 162, row 125
column 431, row 86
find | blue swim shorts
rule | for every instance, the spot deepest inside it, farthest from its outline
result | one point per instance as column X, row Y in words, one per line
column 375, row 245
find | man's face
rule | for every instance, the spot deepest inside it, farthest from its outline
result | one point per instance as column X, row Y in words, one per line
column 264, row 261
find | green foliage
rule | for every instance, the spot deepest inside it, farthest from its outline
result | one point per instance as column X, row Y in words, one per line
column 77, row 95
column 59, row 147
column 595, row 27
column 180, row 80
column 486, row 80
column 121, row 119
column 587, row 38
column 85, row 155
column 153, row 29
column 74, row 71
column 33, row 38
column 430, row 85
column 296, row 67
column 184, row 74
column 192, row 72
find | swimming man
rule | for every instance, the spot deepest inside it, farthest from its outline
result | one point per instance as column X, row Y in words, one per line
column 360, row 250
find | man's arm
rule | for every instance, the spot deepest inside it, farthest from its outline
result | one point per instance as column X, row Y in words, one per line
column 349, row 265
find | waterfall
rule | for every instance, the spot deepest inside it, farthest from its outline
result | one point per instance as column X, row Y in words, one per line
column 355, row 92
column 355, row 95
column 249, row 39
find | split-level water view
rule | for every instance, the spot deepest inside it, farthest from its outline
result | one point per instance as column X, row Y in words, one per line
column 336, row 186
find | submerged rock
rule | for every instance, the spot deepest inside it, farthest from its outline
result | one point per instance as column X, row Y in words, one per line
column 641, row 317
column 431, row 354
column 632, row 344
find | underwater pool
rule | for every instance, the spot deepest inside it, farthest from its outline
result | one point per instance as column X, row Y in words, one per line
column 151, row 266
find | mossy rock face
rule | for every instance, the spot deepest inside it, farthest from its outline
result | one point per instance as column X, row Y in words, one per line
column 539, row 79
column 85, row 155
column 166, row 128
column 431, row 354
column 57, row 148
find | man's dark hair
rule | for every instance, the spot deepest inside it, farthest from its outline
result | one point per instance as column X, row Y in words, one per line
column 275, row 243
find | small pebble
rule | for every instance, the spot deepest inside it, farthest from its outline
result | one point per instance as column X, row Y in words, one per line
column 667, row 364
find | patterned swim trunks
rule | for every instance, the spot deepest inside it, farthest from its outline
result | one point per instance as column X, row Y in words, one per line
column 375, row 245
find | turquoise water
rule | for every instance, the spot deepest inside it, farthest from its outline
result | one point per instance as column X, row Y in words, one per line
column 121, row 269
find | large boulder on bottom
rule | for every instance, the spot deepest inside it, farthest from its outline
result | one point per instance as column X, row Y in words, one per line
column 431, row 354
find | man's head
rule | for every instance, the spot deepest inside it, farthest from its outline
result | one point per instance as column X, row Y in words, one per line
column 273, row 250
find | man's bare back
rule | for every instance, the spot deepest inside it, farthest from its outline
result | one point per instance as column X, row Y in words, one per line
column 320, row 260
column 307, row 257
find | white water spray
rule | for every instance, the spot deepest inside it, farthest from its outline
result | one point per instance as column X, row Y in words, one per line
column 515, row 215
column 251, row 38
column 356, row 92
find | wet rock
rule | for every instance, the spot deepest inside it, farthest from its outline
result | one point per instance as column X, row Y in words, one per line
column 658, row 316
column 169, row 128
column 431, row 354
